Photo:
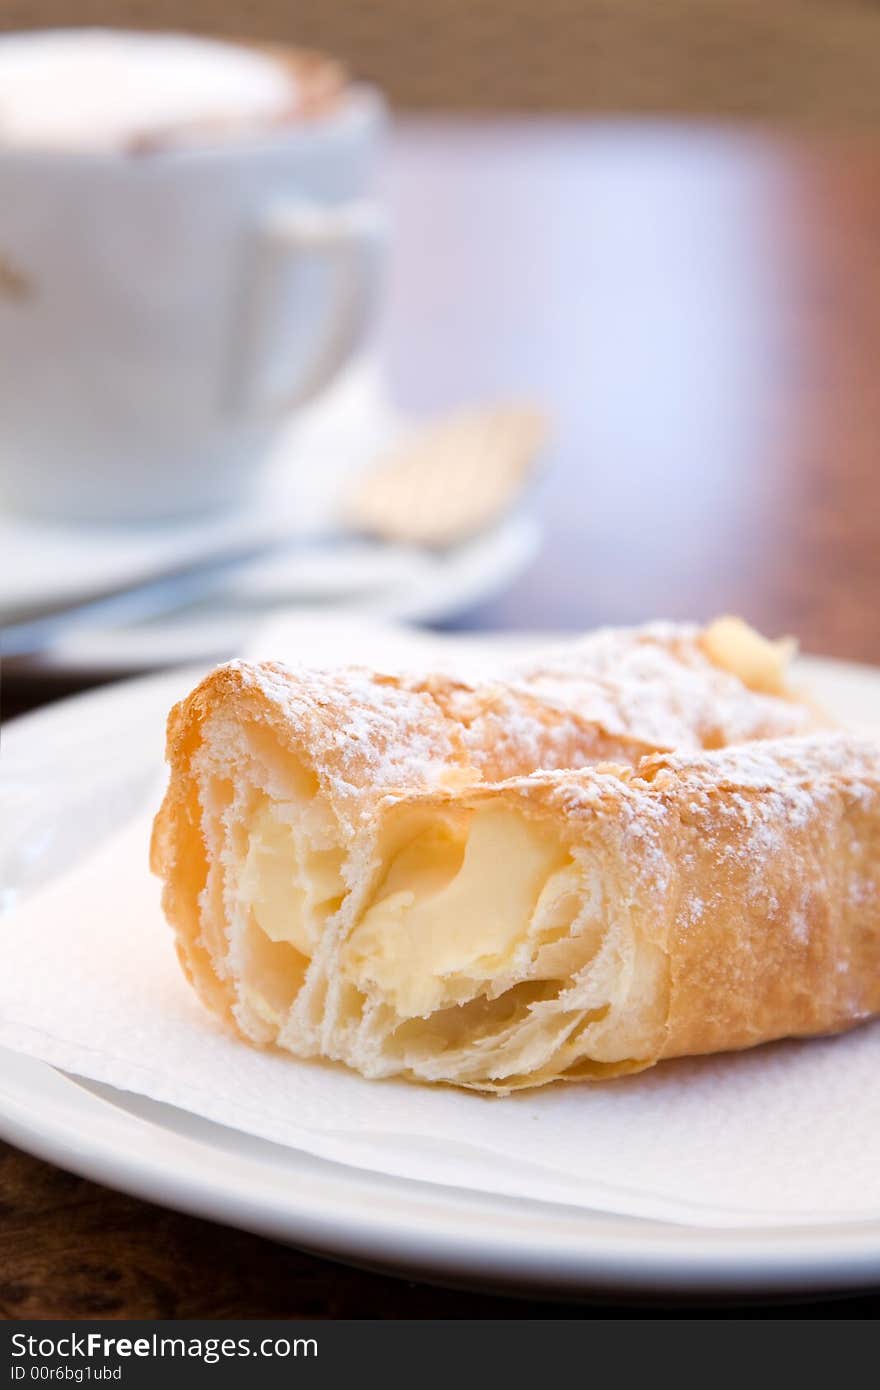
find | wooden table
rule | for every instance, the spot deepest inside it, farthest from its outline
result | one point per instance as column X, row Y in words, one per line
column 700, row 311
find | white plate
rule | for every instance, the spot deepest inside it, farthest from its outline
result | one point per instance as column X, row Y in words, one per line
column 174, row 1158
column 48, row 564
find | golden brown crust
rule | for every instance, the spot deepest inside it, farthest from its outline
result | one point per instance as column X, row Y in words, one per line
column 358, row 743
column 360, row 747
column 754, row 870
column 776, row 931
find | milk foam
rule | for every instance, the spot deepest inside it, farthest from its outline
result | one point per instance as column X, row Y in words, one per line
column 100, row 89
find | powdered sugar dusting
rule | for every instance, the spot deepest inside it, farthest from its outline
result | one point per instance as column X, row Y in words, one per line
column 615, row 695
column 359, row 730
column 658, row 681
column 782, row 816
column 748, row 806
column 821, row 758
column 720, row 868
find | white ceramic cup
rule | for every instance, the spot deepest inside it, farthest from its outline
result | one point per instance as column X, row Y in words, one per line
column 162, row 314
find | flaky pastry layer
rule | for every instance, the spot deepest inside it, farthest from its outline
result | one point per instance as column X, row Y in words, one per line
column 370, row 867
column 697, row 903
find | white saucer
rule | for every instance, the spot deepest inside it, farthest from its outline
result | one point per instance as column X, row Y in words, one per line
column 86, row 763
column 421, row 588
column 48, row 564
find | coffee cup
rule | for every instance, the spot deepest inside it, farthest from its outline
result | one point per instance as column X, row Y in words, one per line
column 181, row 266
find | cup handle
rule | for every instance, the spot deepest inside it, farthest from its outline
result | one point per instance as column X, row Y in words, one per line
column 328, row 256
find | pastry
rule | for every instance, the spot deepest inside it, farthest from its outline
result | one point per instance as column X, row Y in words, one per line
column 289, row 789
column 580, row 925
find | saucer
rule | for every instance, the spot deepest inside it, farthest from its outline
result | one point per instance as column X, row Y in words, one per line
column 48, row 564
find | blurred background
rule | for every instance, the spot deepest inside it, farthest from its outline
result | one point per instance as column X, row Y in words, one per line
column 808, row 60
column 660, row 225
column 652, row 224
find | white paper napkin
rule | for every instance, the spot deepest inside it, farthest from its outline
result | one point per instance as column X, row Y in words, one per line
column 783, row 1134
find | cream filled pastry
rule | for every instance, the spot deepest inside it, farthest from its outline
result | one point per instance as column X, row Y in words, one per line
column 580, row 925
column 402, row 873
